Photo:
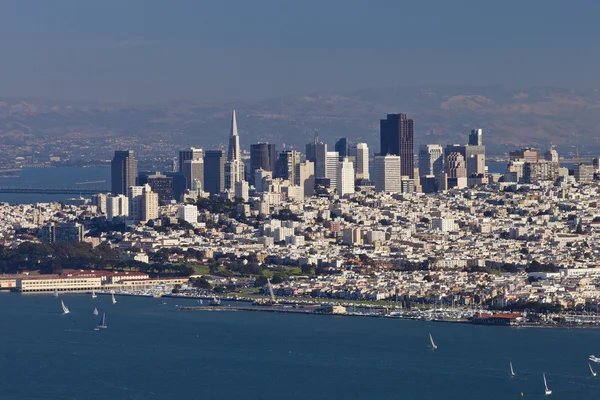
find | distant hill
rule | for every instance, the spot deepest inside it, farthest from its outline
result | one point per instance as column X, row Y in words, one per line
column 510, row 117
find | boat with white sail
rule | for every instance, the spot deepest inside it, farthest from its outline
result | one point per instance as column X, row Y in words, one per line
column 512, row 371
column 114, row 301
column 102, row 323
column 591, row 370
column 93, row 294
column 547, row 391
column 433, row 345
column 55, row 293
column 95, row 311
column 64, row 307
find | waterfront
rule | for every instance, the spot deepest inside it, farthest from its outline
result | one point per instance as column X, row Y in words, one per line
column 152, row 351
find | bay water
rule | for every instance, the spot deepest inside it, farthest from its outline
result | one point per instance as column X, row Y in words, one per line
column 153, row 351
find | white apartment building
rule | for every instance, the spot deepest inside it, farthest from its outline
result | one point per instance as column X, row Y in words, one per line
column 188, row 213
column 345, row 177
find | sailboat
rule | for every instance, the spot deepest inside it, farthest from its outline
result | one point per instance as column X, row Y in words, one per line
column 65, row 309
column 95, row 311
column 55, row 293
column 512, row 371
column 102, row 323
column 433, row 346
column 548, row 392
column 114, row 301
column 591, row 370
column 93, row 294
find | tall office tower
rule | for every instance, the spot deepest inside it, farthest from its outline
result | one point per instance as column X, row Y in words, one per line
column 117, row 206
column 191, row 153
column 456, row 166
column 476, row 137
column 332, row 161
column 475, row 164
column 214, row 171
column 123, row 171
column 345, row 177
column 234, row 168
column 320, row 160
column 286, row 165
column 162, row 185
column 341, row 146
column 193, row 170
column 305, row 177
column 551, row 154
column 431, row 159
column 362, row 161
column 311, row 154
column 467, row 152
column 397, row 138
column 262, row 156
column 387, row 174
column 456, row 170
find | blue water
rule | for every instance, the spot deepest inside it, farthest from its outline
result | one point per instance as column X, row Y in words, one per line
column 55, row 178
column 152, row 351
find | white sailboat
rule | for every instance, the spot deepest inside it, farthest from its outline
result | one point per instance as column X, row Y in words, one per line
column 102, row 323
column 433, row 346
column 95, row 311
column 547, row 391
column 65, row 309
column 512, row 371
column 591, row 370
column 93, row 294
column 55, row 293
column 114, row 301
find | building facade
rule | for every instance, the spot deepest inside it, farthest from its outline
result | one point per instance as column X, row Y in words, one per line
column 397, row 138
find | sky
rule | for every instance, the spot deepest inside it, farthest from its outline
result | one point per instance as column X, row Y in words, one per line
column 150, row 51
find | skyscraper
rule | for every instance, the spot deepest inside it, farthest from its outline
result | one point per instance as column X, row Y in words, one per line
column 188, row 154
column 193, row 170
column 286, row 165
column 476, row 137
column 387, row 174
column 332, row 160
column 341, row 146
column 262, row 156
column 310, row 147
column 234, row 168
column 345, row 177
column 233, row 151
column 123, row 171
column 320, row 160
column 362, row 161
column 397, row 138
column 214, row 171
column 431, row 159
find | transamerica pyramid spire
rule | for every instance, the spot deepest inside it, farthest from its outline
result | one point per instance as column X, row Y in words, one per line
column 233, row 153
column 234, row 131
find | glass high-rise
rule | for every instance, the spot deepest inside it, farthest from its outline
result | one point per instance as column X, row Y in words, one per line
column 123, row 171
column 397, row 138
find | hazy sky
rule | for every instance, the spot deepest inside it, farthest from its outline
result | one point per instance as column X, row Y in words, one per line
column 228, row 50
